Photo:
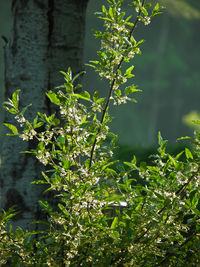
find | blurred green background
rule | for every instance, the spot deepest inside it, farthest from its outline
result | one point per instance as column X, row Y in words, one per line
column 167, row 72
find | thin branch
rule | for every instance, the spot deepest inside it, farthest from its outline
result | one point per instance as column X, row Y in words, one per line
column 187, row 183
column 112, row 85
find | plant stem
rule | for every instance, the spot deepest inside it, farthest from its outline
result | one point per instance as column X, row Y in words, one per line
column 187, row 183
column 111, row 87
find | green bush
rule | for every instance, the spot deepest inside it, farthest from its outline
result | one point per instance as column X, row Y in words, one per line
column 109, row 213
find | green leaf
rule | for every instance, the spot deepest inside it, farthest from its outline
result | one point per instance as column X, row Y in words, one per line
column 133, row 100
column 131, row 89
column 65, row 163
column 8, row 102
column 121, row 16
column 100, row 101
column 111, row 171
column 98, row 34
column 104, row 9
column 144, row 10
column 179, row 155
column 134, row 160
column 139, row 43
column 128, row 72
column 28, row 125
column 196, row 121
column 11, row 110
column 19, row 232
column 62, row 208
column 188, row 153
column 78, row 86
column 192, row 194
column 87, row 163
column 160, row 139
column 77, row 75
column 159, row 196
column 95, row 62
column 184, row 138
column 53, row 97
column 11, row 213
column 41, row 146
column 91, row 66
column 102, row 55
column 45, row 177
column 156, row 8
column 60, row 140
column 172, row 160
column 132, row 165
column 143, row 165
column 15, row 98
column 111, row 12
column 68, row 88
column 43, row 117
column 37, row 124
column 118, row 92
column 39, row 182
column 24, row 109
column 69, row 73
column 84, row 120
column 109, row 164
column 68, row 76
column 96, row 96
column 114, row 139
column 114, row 223
column 35, row 121
column 85, row 96
column 56, row 122
column 128, row 18
column 45, row 205
column 11, row 127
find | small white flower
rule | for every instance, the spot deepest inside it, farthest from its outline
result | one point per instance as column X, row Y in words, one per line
column 24, row 136
column 20, row 118
column 147, row 20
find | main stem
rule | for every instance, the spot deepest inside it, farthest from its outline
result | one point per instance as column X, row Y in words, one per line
column 111, row 88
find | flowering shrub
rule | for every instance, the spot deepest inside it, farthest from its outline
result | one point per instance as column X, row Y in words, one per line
column 109, row 213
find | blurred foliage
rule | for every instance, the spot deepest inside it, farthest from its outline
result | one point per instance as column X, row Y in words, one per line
column 192, row 120
column 182, row 8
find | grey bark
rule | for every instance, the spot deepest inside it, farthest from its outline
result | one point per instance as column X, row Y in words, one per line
column 48, row 36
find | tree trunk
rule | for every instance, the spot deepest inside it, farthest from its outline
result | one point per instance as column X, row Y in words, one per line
column 48, row 36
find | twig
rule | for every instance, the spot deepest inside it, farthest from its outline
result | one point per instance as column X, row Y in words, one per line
column 111, row 87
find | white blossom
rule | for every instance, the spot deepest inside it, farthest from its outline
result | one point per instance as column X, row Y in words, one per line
column 147, row 20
